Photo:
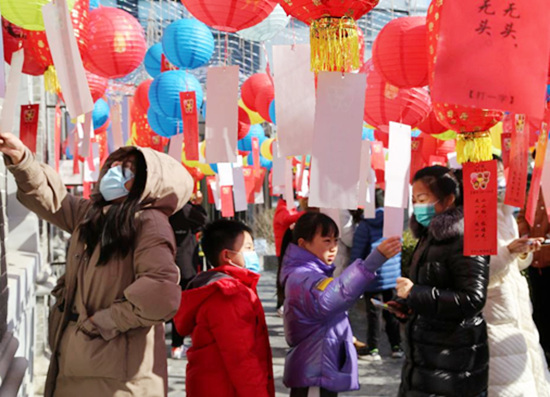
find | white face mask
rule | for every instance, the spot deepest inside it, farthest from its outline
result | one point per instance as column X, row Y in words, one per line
column 112, row 185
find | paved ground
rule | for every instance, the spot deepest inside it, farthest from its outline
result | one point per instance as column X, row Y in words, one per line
column 377, row 378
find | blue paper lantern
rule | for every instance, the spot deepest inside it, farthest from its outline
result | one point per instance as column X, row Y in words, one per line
column 164, row 93
column 188, row 43
column 265, row 163
column 153, row 60
column 94, row 4
column 214, row 167
column 415, row 133
column 100, row 114
column 368, row 134
column 272, row 112
column 164, row 126
column 256, row 130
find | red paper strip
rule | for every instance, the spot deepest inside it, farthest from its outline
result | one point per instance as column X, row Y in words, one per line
column 87, row 189
column 437, row 160
column 165, row 64
column 480, row 208
column 417, row 162
column 259, row 176
column 57, row 136
column 76, row 166
column 534, row 190
column 28, row 125
column 377, row 156
column 516, row 184
column 209, row 181
column 190, row 119
column 256, row 152
column 90, row 159
column 249, row 184
column 300, row 174
column 485, row 32
column 506, row 147
column 226, row 195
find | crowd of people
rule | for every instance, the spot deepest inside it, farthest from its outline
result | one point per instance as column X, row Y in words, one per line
column 132, row 265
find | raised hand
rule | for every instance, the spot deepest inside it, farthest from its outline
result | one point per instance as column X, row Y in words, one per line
column 12, row 147
column 390, row 247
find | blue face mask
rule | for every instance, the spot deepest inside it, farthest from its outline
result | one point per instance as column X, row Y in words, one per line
column 424, row 213
column 251, row 260
column 112, row 186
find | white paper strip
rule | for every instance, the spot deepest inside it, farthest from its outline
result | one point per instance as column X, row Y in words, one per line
column 364, row 171
column 85, row 131
column 215, row 186
column 66, row 58
column 92, row 176
column 393, row 221
column 2, row 67
column 294, row 99
column 66, row 173
column 398, row 166
column 337, row 141
column 369, row 212
column 278, row 178
column 259, row 197
column 289, row 187
column 8, row 107
column 175, row 147
column 116, row 125
column 222, row 114
column 239, row 190
column 225, row 174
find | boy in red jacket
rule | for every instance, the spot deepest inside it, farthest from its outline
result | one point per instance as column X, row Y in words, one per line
column 230, row 354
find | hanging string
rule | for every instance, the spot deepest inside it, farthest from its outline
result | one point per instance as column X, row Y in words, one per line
column 226, row 56
column 293, row 33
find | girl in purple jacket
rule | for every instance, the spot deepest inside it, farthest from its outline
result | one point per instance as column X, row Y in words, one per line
column 322, row 356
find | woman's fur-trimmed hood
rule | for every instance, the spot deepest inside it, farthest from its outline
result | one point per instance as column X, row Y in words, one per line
column 444, row 226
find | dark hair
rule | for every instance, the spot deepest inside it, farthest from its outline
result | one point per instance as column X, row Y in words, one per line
column 312, row 223
column 442, row 182
column 497, row 158
column 116, row 229
column 379, row 198
column 220, row 235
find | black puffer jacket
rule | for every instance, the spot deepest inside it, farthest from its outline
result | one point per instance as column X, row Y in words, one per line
column 446, row 353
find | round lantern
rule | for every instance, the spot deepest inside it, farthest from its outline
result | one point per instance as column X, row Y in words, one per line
column 153, row 60
column 472, row 125
column 263, row 101
column 164, row 93
column 100, row 114
column 254, row 117
column 268, row 28
column 116, row 43
column 399, row 52
column 334, row 39
column 272, row 112
column 26, row 14
column 266, row 148
column 385, row 102
column 368, row 134
column 431, row 125
column 188, row 43
column 143, row 135
column 264, row 163
column 244, row 123
column 252, row 87
column 141, row 95
column 164, row 126
column 98, row 85
column 256, row 131
column 14, row 38
column 230, row 16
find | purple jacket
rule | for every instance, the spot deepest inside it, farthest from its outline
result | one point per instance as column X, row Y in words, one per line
column 317, row 327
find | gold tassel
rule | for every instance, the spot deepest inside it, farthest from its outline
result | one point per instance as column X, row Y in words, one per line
column 51, row 83
column 474, row 147
column 334, row 45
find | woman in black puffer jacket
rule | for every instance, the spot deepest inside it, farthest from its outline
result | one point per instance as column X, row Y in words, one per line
column 446, row 353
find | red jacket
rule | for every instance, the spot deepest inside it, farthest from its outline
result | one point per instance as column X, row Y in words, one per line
column 230, row 354
column 282, row 219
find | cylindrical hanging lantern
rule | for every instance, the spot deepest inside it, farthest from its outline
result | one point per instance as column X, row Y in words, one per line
column 268, row 28
column 230, row 16
column 263, row 100
column 431, row 125
column 141, row 95
column 385, row 102
column 164, row 126
column 252, row 87
column 272, row 112
column 100, row 114
column 14, row 38
column 142, row 134
column 334, row 38
column 98, row 85
column 400, row 53
column 473, row 143
column 26, row 14
column 116, row 43
column 244, row 123
column 188, row 43
column 153, row 60
column 164, row 93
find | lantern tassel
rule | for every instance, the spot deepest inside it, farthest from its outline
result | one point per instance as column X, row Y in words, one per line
column 51, row 83
column 474, row 147
column 334, row 45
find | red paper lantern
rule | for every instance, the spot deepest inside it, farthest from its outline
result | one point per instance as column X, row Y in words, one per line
column 252, row 87
column 309, row 10
column 435, row 147
column 385, row 102
column 230, row 16
column 244, row 123
column 263, row 101
column 141, row 96
column 14, row 38
column 116, row 43
column 142, row 134
column 431, row 125
column 400, row 52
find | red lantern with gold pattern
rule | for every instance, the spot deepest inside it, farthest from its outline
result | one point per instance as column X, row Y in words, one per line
column 431, row 125
column 472, row 124
column 141, row 95
column 142, row 134
column 116, row 44
column 14, row 38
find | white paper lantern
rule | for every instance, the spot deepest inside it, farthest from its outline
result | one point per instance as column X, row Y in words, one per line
column 268, row 28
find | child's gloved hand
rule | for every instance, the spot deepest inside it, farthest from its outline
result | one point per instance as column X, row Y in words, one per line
column 390, row 247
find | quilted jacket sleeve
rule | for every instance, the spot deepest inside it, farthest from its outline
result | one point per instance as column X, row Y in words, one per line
column 41, row 190
column 361, row 242
column 469, row 275
column 155, row 295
